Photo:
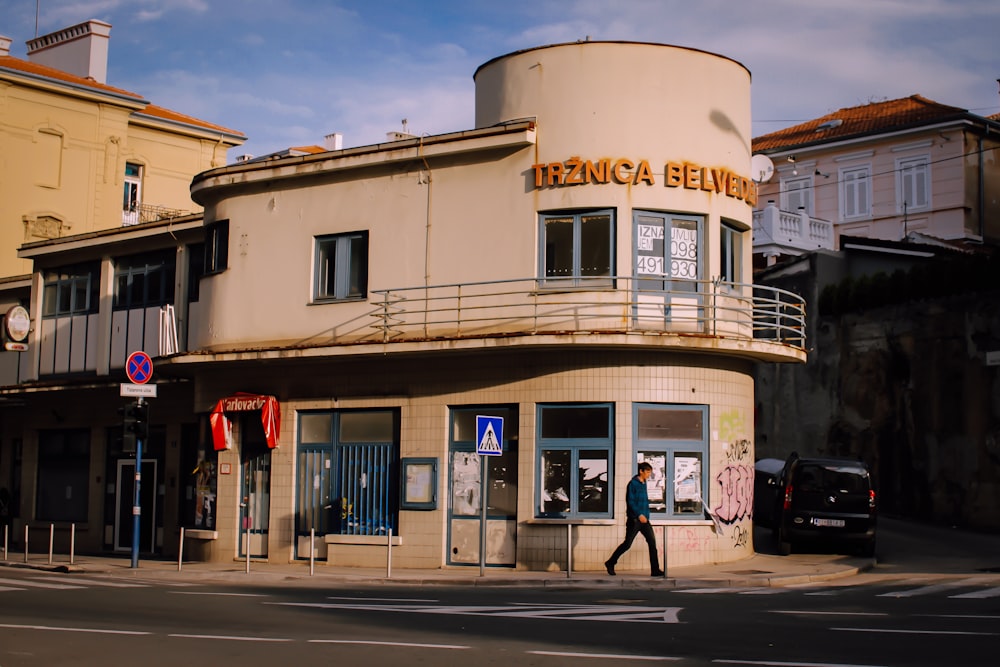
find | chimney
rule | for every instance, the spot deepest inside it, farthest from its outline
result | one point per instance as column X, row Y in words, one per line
column 5, row 45
column 333, row 141
column 81, row 50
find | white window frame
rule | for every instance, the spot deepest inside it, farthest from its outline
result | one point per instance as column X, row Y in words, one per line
column 349, row 280
column 913, row 174
column 796, row 192
column 132, row 194
column 856, row 192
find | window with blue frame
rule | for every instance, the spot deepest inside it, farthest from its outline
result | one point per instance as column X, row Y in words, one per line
column 348, row 472
column 575, row 451
column 216, row 247
column 731, row 254
column 144, row 280
column 341, row 267
column 674, row 440
column 577, row 248
column 71, row 291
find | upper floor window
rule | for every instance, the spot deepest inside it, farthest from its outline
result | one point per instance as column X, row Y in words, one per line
column 575, row 451
column 731, row 254
column 913, row 184
column 341, row 267
column 196, row 269
column 144, row 280
column 71, row 291
column 577, row 248
column 797, row 193
column 856, row 192
column 667, row 251
column 132, row 196
column 216, row 247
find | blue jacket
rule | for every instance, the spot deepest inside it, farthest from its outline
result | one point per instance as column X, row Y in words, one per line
column 636, row 499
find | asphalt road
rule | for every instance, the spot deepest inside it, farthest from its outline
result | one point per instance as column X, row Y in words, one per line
column 934, row 599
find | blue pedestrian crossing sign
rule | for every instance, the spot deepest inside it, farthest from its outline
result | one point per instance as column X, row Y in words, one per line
column 489, row 435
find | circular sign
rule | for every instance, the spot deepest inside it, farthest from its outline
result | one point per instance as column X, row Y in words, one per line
column 139, row 367
column 18, row 324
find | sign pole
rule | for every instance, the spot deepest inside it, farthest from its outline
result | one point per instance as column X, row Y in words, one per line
column 489, row 442
column 137, row 505
column 482, row 516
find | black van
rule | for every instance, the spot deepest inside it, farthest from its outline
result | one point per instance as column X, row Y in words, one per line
column 828, row 500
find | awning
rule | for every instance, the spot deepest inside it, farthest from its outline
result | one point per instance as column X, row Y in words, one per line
column 222, row 427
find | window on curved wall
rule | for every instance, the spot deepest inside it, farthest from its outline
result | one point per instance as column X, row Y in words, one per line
column 575, row 451
column 674, row 440
column 668, row 265
column 730, row 254
column 577, row 248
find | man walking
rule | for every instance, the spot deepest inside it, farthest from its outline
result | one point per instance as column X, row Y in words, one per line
column 637, row 521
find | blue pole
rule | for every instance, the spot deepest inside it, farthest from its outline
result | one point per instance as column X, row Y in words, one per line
column 137, row 504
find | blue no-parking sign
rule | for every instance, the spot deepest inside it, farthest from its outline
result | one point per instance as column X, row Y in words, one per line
column 489, row 435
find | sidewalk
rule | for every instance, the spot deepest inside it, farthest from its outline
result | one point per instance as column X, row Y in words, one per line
column 759, row 570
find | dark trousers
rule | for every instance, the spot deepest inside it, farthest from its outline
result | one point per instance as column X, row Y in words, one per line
column 632, row 528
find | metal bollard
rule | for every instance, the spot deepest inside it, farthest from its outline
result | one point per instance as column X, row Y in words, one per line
column 248, row 547
column 6, row 529
column 25, row 543
column 180, row 550
column 52, row 534
column 72, row 543
column 388, row 557
column 569, row 550
column 312, row 550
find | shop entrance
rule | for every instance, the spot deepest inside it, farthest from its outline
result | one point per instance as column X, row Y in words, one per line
column 466, row 479
column 255, row 488
column 124, row 500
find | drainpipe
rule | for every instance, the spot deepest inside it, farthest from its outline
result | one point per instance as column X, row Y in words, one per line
column 982, row 192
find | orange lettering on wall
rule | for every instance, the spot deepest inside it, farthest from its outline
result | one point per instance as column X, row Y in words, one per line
column 691, row 176
column 718, row 179
column 539, row 171
column 644, row 174
column 555, row 173
column 744, row 188
column 706, row 183
column 732, row 185
column 621, row 168
column 673, row 175
column 598, row 173
column 575, row 175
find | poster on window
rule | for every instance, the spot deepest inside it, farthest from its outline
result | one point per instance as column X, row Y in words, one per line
column 656, row 485
column 684, row 251
column 649, row 250
column 687, row 479
column 465, row 484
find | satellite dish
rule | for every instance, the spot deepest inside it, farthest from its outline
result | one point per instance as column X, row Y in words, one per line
column 761, row 168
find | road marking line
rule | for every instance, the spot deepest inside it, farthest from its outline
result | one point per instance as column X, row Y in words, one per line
column 605, row 656
column 234, row 595
column 38, row 584
column 232, row 638
column 10, row 588
column 829, row 613
column 789, row 664
column 103, row 582
column 923, row 590
column 375, row 643
column 988, row 617
column 918, row 632
column 60, row 629
column 334, row 597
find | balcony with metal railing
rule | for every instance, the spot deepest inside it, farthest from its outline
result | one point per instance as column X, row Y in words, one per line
column 756, row 320
column 140, row 213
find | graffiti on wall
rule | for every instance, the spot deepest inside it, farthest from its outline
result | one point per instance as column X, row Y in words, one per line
column 736, row 478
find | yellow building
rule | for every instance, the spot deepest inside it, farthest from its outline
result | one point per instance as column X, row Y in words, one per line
column 80, row 155
column 373, row 340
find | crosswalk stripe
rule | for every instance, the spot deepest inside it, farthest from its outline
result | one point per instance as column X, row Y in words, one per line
column 10, row 588
column 105, row 582
column 984, row 593
column 922, row 590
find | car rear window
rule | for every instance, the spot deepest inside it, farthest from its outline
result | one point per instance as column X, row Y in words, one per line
column 846, row 479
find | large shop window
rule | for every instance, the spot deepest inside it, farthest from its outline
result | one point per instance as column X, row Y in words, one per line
column 144, row 280
column 674, row 440
column 577, row 248
column 341, row 267
column 575, row 451
column 71, row 291
column 63, row 475
column 348, row 472
column 855, row 192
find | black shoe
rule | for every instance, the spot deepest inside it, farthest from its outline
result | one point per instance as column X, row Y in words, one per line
column 610, row 567
column 657, row 573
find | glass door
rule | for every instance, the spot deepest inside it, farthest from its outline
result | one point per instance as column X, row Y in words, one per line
column 255, row 488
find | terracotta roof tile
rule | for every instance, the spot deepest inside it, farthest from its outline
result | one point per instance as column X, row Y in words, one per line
column 34, row 69
column 911, row 111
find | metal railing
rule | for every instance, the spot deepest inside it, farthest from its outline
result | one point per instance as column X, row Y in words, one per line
column 141, row 213
column 600, row 305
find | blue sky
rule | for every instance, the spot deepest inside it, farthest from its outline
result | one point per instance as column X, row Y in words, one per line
column 288, row 72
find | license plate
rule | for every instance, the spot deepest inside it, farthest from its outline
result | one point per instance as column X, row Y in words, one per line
column 829, row 523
